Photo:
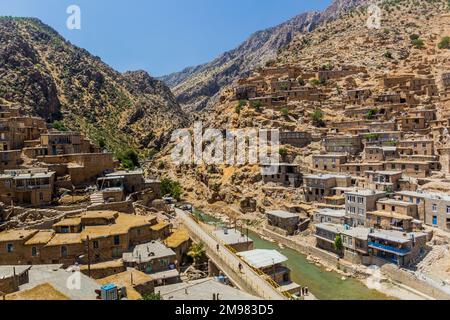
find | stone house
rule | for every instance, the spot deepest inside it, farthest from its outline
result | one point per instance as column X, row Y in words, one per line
column 343, row 144
column 107, row 234
column 81, row 168
column 318, row 187
column 59, row 143
column 437, row 211
column 10, row 159
column 418, row 146
column 150, row 258
column 130, row 181
column 358, row 96
column 359, row 169
column 329, row 216
column 34, row 187
column 358, row 203
column 397, row 247
column 405, row 208
column 374, row 153
column 416, row 169
column 12, row 249
column 412, row 124
column 296, row 139
column 284, row 174
column 180, row 242
column 387, row 181
column 286, row 221
column 385, row 220
column 234, row 238
column 328, row 162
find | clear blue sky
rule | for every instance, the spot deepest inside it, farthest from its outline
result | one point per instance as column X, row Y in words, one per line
column 161, row 36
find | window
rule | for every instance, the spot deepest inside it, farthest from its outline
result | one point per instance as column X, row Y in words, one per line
column 64, row 252
column 434, row 208
column 34, row 252
column 116, row 240
column 9, row 247
column 95, row 244
column 360, row 200
column 361, row 212
column 448, row 209
column 65, row 230
column 352, row 209
column 41, row 196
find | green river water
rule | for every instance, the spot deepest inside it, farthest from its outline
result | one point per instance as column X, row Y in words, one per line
column 324, row 285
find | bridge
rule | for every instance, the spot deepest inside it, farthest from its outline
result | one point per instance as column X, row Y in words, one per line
column 247, row 279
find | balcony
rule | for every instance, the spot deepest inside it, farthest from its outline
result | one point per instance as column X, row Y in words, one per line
column 35, row 187
column 394, row 250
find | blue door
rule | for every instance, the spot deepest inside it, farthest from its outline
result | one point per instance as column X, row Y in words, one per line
column 435, row 220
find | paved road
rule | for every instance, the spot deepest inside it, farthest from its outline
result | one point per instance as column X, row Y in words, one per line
column 227, row 261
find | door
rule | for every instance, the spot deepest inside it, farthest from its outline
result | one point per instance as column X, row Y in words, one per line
column 435, row 220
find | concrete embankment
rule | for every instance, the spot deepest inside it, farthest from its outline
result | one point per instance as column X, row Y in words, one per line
column 407, row 280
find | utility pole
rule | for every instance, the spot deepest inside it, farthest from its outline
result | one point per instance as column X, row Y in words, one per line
column 89, row 255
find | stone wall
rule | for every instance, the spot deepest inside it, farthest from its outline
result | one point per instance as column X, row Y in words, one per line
column 125, row 207
column 306, row 249
column 410, row 280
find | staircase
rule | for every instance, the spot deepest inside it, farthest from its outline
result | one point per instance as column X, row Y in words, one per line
column 97, row 198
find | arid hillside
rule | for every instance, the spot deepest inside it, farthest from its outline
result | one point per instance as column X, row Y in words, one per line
column 411, row 41
column 197, row 88
column 49, row 77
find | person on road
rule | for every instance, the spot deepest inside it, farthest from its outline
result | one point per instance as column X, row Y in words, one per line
column 218, row 247
column 240, row 267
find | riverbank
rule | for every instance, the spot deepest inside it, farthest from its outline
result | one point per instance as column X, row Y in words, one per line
column 312, row 266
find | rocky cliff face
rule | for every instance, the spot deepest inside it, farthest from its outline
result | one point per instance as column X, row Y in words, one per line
column 197, row 87
column 49, row 77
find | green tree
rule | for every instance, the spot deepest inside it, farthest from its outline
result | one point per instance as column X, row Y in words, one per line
column 388, row 55
column 338, row 245
column 197, row 252
column 283, row 152
column 129, row 159
column 257, row 105
column 445, row 43
column 317, row 118
column 58, row 125
column 285, row 112
column 372, row 113
column 171, row 188
column 152, row 297
column 418, row 43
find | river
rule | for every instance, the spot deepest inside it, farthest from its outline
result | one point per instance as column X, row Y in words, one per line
column 323, row 284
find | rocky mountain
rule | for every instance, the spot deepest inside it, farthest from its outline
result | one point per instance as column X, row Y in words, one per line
column 197, row 87
column 49, row 77
column 412, row 40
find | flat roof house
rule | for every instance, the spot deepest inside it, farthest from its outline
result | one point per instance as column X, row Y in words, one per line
column 396, row 247
column 318, row 187
column 284, row 173
column 329, row 216
column 235, row 239
column 153, row 258
column 282, row 221
column 328, row 162
column 271, row 263
column 358, row 203
column 387, row 181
